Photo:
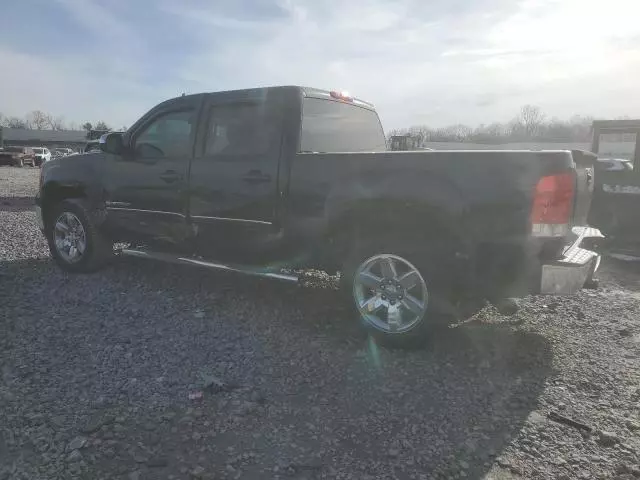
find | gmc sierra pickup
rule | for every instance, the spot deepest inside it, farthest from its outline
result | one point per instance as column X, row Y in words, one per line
column 261, row 179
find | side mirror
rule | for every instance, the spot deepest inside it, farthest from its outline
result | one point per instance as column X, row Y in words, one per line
column 112, row 143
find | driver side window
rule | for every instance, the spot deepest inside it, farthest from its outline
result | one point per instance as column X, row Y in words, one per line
column 169, row 135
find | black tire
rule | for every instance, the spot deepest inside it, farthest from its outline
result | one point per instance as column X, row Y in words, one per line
column 431, row 262
column 99, row 248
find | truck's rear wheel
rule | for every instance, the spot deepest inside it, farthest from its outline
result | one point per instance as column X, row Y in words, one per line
column 396, row 293
column 74, row 240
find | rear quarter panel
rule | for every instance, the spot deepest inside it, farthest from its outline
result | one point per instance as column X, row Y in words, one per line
column 483, row 195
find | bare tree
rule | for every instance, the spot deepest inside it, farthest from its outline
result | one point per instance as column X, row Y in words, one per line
column 496, row 130
column 102, row 126
column 490, row 133
column 56, row 123
column 16, row 122
column 453, row 133
column 461, row 132
column 532, row 118
column 516, row 129
column 530, row 123
column 418, row 134
column 581, row 128
column 87, row 126
column 38, row 120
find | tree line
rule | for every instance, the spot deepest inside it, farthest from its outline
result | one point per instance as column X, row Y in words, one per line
column 39, row 120
column 531, row 124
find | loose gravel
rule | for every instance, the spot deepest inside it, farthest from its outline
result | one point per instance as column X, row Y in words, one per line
column 152, row 371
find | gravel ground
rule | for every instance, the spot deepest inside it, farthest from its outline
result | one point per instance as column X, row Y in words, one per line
column 98, row 375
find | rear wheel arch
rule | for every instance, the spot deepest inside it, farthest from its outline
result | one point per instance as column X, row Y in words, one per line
column 423, row 223
column 432, row 268
column 435, row 245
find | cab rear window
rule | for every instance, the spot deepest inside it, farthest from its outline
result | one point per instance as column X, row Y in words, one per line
column 335, row 126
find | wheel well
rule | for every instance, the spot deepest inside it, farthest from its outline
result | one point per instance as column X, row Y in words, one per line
column 54, row 193
column 425, row 225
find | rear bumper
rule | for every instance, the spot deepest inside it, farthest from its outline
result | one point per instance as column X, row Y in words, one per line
column 577, row 265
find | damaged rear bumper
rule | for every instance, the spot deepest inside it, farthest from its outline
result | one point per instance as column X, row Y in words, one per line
column 576, row 267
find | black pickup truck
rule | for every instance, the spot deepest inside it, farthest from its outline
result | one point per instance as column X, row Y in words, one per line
column 260, row 180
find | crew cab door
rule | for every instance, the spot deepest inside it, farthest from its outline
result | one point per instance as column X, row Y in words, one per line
column 147, row 185
column 234, row 176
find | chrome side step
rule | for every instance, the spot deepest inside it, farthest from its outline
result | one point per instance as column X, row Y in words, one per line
column 247, row 270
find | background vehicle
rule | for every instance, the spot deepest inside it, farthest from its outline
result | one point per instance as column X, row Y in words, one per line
column 62, row 152
column 17, row 156
column 296, row 177
column 616, row 202
column 92, row 146
column 42, row 154
column 400, row 143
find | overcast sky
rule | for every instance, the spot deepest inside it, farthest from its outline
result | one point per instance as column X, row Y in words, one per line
column 432, row 62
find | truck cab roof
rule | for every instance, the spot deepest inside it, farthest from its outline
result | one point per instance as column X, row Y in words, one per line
column 259, row 92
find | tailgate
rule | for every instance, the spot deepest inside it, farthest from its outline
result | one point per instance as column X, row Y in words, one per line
column 584, row 185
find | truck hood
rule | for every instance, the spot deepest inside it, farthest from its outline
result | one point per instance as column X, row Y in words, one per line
column 71, row 161
column 68, row 170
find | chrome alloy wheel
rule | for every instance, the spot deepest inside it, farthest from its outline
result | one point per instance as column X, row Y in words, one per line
column 69, row 237
column 390, row 293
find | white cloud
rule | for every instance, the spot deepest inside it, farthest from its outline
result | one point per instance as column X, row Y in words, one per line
column 80, row 89
column 462, row 66
column 103, row 25
column 103, row 80
column 420, row 62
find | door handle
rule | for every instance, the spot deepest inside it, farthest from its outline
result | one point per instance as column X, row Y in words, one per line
column 256, row 176
column 170, row 176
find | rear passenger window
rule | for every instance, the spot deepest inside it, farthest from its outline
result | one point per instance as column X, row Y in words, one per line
column 237, row 130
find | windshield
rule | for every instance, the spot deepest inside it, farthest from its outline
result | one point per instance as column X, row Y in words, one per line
column 38, row 151
column 333, row 126
column 617, row 145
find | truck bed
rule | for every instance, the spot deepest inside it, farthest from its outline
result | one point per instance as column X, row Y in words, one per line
column 489, row 192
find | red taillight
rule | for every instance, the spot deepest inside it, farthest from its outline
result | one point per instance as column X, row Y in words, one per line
column 553, row 200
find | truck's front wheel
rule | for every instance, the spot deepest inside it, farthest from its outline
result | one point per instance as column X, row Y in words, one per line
column 397, row 294
column 74, row 240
